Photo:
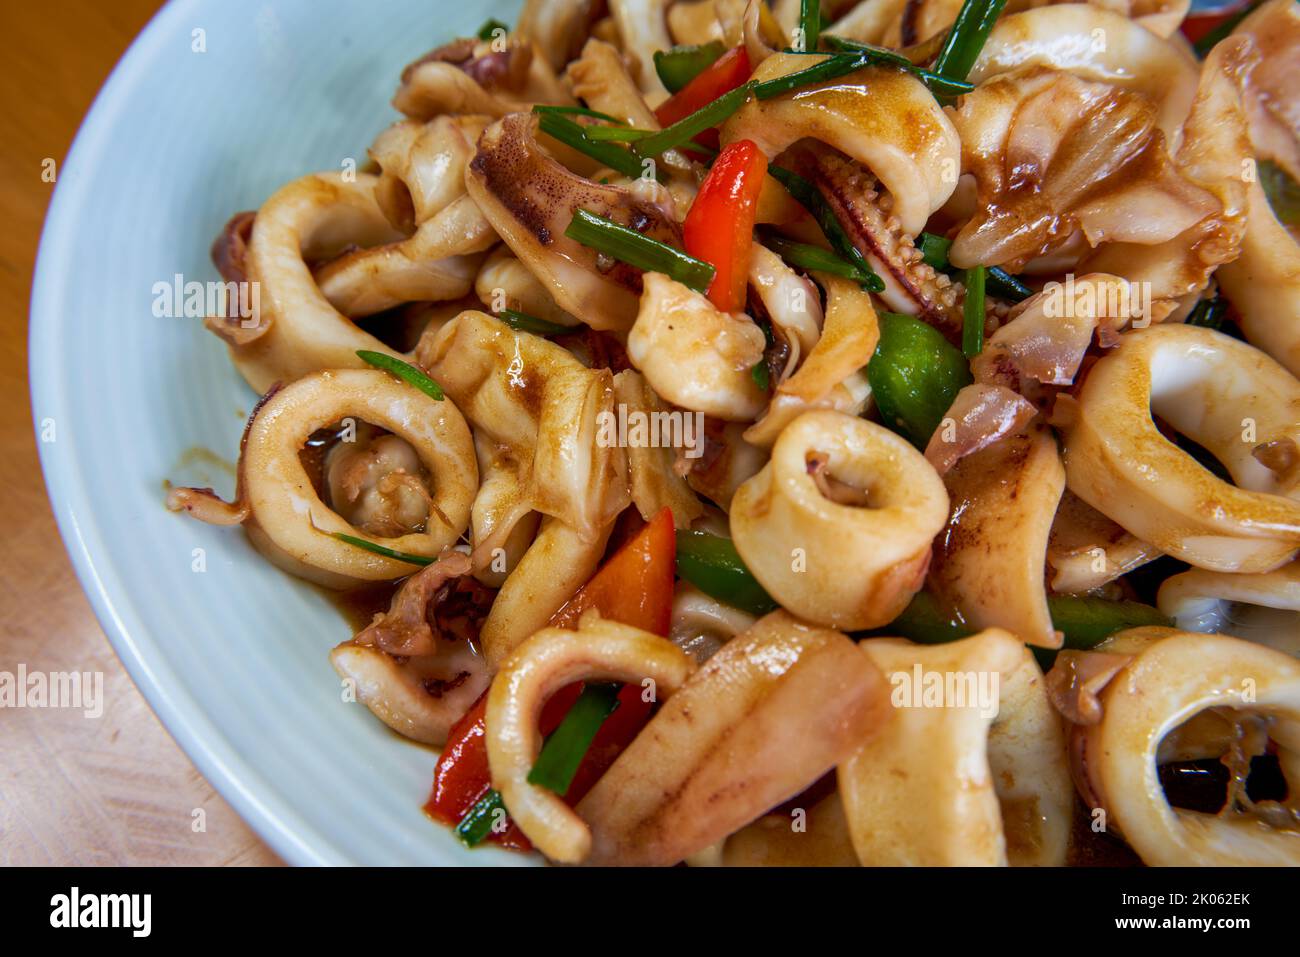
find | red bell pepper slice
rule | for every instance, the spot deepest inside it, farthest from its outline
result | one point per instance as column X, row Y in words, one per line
column 720, row 225
column 635, row 587
column 725, row 74
column 1197, row 25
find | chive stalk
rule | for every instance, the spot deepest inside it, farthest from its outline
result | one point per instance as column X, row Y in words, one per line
column 967, row 37
column 629, row 246
column 855, row 57
column 1282, row 191
column 1209, row 313
column 759, row 373
column 616, row 134
column 523, row 322
column 934, row 250
column 477, row 823
column 382, row 549
column 567, row 745
column 489, row 28
column 811, row 199
column 575, row 111
column 1006, row 286
column 571, row 134
column 879, row 56
column 833, row 67
column 1000, row 283
column 814, row 258
column 692, row 125
column 556, row 764
column 810, row 22
column 404, row 371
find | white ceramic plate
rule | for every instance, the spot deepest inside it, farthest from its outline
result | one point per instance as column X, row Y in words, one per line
column 233, row 659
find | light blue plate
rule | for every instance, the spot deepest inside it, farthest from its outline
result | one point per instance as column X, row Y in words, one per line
column 233, row 659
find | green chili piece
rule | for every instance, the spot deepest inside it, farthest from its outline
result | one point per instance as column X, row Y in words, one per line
column 681, row 64
column 915, row 374
column 712, row 564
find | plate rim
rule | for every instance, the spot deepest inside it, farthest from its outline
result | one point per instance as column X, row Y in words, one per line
column 253, row 798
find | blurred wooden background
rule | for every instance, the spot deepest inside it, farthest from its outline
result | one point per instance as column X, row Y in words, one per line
column 73, row 790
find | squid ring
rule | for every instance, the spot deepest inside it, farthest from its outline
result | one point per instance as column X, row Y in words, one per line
column 544, row 406
column 421, row 166
column 1264, row 281
column 1175, row 677
column 310, row 218
column 1064, row 37
column 864, row 551
column 1226, row 396
column 1027, row 755
column 767, row 716
column 447, row 81
column 542, row 665
column 1264, row 608
column 292, row 526
column 522, row 290
column 436, row 264
column 1263, row 284
column 502, row 523
column 975, row 776
column 421, row 189
column 832, row 375
column 988, row 563
column 417, row 684
column 884, row 118
column 557, row 562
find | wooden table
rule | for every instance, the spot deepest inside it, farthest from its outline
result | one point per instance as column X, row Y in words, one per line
column 73, row 790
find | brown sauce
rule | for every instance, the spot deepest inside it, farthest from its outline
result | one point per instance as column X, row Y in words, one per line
column 1089, row 848
column 358, row 606
column 1202, row 785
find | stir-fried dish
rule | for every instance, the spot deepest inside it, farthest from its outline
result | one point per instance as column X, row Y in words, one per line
column 797, row 433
